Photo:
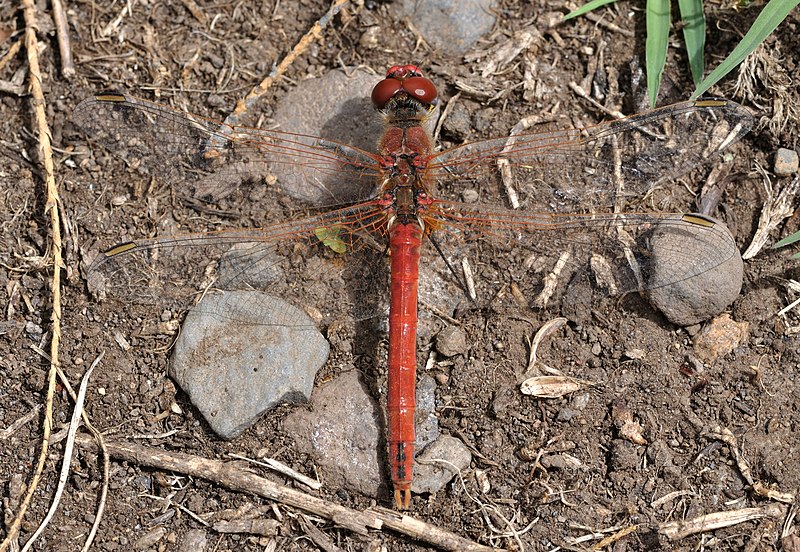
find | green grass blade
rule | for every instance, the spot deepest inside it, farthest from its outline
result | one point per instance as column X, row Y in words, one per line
column 658, row 19
column 589, row 6
column 694, row 35
column 770, row 17
column 788, row 240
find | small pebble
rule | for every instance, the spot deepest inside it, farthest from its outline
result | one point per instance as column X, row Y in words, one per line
column 720, row 337
column 565, row 414
column 470, row 196
column 786, row 162
column 33, row 330
column 580, row 401
column 451, row 341
column 634, row 354
column 150, row 538
column 371, row 38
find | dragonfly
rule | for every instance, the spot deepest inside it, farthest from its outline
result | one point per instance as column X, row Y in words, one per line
column 572, row 193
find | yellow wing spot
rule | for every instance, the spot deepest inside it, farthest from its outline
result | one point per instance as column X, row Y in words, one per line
column 109, row 97
column 699, row 220
column 710, row 103
column 120, row 248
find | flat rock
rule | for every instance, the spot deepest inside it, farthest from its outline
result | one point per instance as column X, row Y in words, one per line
column 340, row 432
column 337, row 107
column 430, row 475
column 451, row 26
column 695, row 271
column 342, row 429
column 426, row 422
column 241, row 353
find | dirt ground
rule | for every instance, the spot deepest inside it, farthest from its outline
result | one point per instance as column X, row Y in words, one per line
column 555, row 470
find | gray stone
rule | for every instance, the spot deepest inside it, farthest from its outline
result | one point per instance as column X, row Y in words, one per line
column 241, row 353
column 786, row 162
column 337, row 107
column 451, row 341
column 195, row 540
column 451, row 26
column 430, row 474
column 340, row 432
column 695, row 269
column 425, row 421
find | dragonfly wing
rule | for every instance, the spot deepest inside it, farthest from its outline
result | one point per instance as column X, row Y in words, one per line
column 172, row 272
column 213, row 158
column 616, row 249
column 598, row 168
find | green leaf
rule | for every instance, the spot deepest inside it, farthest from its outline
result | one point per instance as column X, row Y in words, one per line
column 589, row 6
column 770, row 17
column 331, row 237
column 694, row 35
column 658, row 19
column 788, row 240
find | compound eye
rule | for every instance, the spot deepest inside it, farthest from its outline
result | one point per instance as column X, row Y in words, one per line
column 421, row 89
column 403, row 71
column 385, row 91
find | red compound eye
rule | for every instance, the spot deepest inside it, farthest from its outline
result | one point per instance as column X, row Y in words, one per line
column 403, row 71
column 385, row 91
column 421, row 89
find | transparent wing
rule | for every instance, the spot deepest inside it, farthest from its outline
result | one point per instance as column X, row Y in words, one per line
column 172, row 272
column 618, row 250
column 593, row 169
column 211, row 158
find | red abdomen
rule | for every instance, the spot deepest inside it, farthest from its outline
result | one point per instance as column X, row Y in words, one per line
column 405, row 241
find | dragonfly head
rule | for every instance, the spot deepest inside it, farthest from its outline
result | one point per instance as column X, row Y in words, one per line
column 404, row 87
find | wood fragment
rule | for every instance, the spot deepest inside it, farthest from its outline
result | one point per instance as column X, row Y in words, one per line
column 622, row 417
column 9, row 55
column 279, row 467
column 113, row 25
column 549, row 387
column 318, row 537
column 775, row 210
column 64, row 44
column 261, row 527
column 551, row 281
column 547, row 328
column 313, row 34
column 611, row 539
column 69, row 447
column 677, row 530
column 16, row 425
column 237, row 479
column 196, row 11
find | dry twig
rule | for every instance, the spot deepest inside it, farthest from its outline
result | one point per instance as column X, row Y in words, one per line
column 235, row 478
column 775, row 210
column 64, row 45
column 676, row 530
column 31, row 46
column 68, row 449
column 313, row 34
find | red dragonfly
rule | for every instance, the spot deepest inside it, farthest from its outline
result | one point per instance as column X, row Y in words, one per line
column 573, row 189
